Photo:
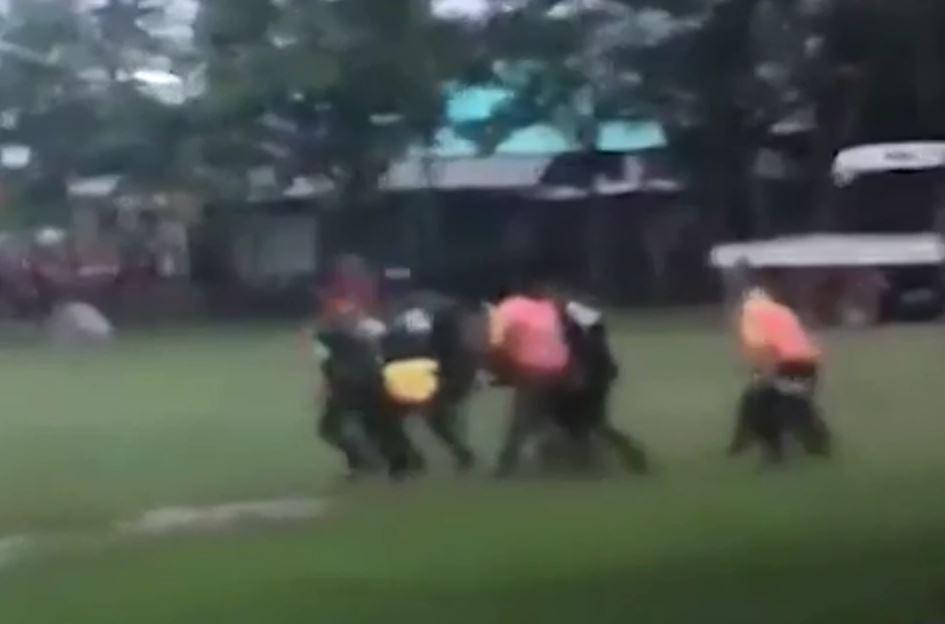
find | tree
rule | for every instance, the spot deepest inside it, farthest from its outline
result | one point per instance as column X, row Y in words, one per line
column 718, row 75
column 331, row 88
column 71, row 98
column 334, row 91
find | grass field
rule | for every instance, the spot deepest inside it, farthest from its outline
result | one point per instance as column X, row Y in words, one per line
column 208, row 416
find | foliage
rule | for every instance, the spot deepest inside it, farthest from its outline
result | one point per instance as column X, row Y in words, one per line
column 330, row 88
column 72, row 100
column 340, row 88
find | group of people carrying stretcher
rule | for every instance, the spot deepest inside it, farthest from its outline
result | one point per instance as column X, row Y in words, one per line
column 425, row 353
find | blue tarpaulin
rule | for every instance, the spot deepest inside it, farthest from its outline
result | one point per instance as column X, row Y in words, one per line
column 470, row 105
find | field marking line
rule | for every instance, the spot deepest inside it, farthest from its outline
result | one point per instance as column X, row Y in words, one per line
column 13, row 548
column 184, row 519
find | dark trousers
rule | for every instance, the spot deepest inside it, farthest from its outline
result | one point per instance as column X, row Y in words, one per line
column 443, row 418
column 346, row 426
column 784, row 404
column 442, row 415
column 358, row 419
column 583, row 413
column 532, row 405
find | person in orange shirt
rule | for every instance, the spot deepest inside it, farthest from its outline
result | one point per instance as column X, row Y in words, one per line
column 780, row 398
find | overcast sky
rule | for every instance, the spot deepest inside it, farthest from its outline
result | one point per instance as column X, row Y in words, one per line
column 460, row 7
column 184, row 10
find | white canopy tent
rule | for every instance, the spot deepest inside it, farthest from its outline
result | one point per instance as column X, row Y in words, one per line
column 833, row 250
column 860, row 160
column 850, row 269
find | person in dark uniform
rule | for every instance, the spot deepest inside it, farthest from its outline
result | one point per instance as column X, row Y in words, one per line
column 581, row 406
column 426, row 330
column 350, row 418
column 555, row 354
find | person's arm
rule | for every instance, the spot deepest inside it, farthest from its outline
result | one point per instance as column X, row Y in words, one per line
column 498, row 344
column 754, row 340
column 314, row 344
column 612, row 367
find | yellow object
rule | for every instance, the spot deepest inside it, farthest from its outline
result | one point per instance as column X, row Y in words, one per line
column 412, row 382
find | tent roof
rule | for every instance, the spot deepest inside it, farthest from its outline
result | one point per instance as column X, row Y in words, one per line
column 542, row 139
column 833, row 250
column 527, row 174
column 536, row 140
column 629, row 136
column 496, row 172
column 861, row 160
column 478, row 103
column 467, row 105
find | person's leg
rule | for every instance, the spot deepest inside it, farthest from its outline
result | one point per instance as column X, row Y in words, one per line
column 809, row 427
column 590, row 420
column 801, row 411
column 416, row 462
column 403, row 459
column 767, row 422
column 744, row 431
column 807, row 422
column 443, row 420
column 629, row 451
column 819, row 438
column 571, row 444
column 526, row 411
column 331, row 430
column 385, row 421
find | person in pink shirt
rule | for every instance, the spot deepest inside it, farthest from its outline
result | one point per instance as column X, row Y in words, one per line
column 528, row 336
column 530, row 353
column 554, row 351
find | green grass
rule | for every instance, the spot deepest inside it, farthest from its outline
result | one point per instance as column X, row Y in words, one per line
column 214, row 416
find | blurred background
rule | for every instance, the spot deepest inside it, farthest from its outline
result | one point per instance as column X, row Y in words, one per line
column 212, row 157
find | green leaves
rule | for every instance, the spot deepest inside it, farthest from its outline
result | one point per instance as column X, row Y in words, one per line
column 350, row 83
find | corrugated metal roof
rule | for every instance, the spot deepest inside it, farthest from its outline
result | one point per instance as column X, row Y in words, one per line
column 466, row 173
column 479, row 104
column 537, row 140
column 629, row 136
column 522, row 173
column 446, row 144
column 543, row 139
column 97, row 186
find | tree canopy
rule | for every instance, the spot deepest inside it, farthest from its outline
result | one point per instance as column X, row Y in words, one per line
column 211, row 95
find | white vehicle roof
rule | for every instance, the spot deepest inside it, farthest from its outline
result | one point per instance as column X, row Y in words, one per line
column 833, row 250
column 861, row 160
